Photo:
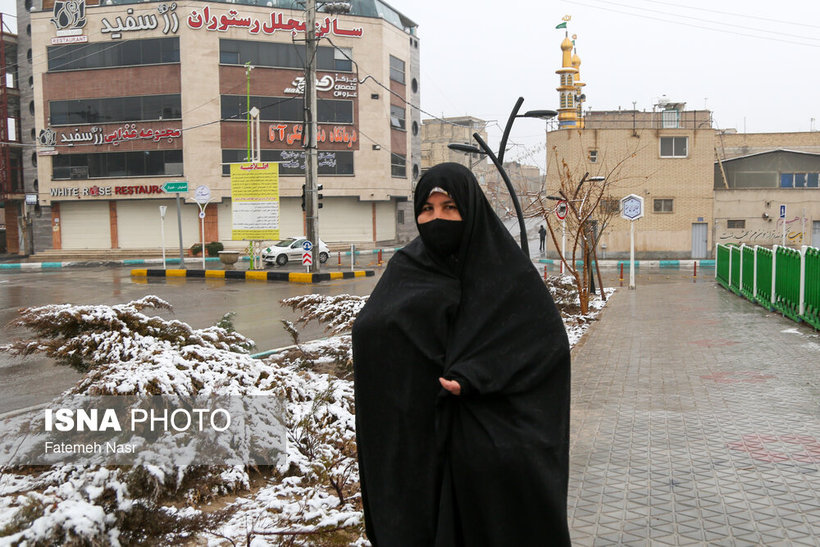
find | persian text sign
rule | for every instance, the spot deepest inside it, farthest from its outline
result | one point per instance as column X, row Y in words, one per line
column 255, row 201
column 277, row 21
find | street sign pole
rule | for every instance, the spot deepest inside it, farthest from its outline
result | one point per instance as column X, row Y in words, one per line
column 783, row 220
column 162, row 210
column 179, row 227
column 202, row 195
column 631, row 254
column 175, row 187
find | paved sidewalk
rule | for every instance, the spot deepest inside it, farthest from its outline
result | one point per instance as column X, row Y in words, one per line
column 695, row 420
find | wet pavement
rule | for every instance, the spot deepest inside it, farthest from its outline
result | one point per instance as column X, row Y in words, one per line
column 695, row 420
column 199, row 302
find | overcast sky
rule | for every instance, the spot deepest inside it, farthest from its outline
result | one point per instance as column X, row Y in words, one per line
column 753, row 63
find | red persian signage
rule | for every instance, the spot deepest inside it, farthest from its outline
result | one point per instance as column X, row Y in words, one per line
column 291, row 133
column 204, row 19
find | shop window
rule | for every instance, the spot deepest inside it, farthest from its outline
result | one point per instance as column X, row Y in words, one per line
column 664, row 205
column 674, row 147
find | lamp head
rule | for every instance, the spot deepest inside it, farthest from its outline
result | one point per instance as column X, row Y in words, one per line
column 467, row 148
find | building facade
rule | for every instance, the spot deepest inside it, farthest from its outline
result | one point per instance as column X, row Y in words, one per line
column 14, row 218
column 666, row 157
column 769, row 197
column 130, row 96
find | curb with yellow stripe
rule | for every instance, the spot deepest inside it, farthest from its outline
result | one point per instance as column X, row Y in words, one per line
column 292, row 277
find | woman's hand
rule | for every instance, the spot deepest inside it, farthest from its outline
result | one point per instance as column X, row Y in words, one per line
column 450, row 385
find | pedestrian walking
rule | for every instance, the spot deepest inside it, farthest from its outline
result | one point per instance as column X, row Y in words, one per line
column 461, row 375
column 542, row 236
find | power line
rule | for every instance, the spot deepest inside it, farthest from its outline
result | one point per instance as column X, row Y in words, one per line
column 703, row 20
column 693, row 25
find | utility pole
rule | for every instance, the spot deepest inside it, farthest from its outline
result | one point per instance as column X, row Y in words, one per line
column 311, row 154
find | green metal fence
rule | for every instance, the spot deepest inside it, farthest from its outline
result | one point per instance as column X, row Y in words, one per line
column 747, row 272
column 763, row 285
column 734, row 270
column 782, row 279
column 811, row 296
column 722, row 265
column 787, row 282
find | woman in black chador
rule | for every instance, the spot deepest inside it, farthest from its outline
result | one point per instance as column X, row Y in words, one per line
column 462, row 375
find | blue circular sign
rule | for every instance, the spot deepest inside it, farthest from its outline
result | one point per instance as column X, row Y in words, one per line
column 307, row 245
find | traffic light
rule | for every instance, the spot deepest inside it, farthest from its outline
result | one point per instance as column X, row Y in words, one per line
column 319, row 189
column 303, row 197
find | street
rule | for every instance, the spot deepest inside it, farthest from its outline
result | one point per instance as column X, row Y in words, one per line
column 199, row 302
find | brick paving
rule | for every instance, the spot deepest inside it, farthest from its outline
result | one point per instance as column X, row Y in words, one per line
column 695, row 420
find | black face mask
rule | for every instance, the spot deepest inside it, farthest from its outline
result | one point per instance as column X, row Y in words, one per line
column 442, row 237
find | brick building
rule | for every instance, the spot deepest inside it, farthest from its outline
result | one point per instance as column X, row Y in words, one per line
column 129, row 96
column 666, row 156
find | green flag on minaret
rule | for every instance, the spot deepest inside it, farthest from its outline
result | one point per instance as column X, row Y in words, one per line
column 562, row 25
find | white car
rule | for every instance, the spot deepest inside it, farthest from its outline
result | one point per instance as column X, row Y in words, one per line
column 290, row 249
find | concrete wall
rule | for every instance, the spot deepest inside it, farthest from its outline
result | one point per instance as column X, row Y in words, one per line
column 749, row 207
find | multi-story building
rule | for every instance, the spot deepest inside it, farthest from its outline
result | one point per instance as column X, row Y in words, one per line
column 438, row 133
column 665, row 156
column 14, row 217
column 129, row 96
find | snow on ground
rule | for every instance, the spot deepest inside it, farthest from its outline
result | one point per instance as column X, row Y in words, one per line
column 311, row 496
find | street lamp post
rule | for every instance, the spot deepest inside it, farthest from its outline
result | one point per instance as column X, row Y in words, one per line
column 498, row 160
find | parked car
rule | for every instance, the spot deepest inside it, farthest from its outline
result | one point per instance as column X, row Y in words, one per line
column 291, row 249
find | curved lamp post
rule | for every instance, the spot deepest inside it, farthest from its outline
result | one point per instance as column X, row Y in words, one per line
column 498, row 161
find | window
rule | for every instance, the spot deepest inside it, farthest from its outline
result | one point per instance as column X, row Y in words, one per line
column 670, row 119
column 117, row 164
column 293, row 161
column 120, row 109
column 736, row 224
column 396, row 69
column 593, row 156
column 398, row 165
column 610, row 205
column 285, row 109
column 662, row 205
column 799, row 180
column 400, row 216
column 397, row 120
column 279, row 55
column 674, row 147
column 106, row 55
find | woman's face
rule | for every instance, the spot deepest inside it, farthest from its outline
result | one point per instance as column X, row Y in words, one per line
column 438, row 205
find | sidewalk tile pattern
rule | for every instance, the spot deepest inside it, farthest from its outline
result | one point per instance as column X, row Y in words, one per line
column 695, row 420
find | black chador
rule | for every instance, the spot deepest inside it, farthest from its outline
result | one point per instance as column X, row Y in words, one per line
column 488, row 466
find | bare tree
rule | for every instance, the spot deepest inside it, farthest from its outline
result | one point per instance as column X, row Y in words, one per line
column 589, row 201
